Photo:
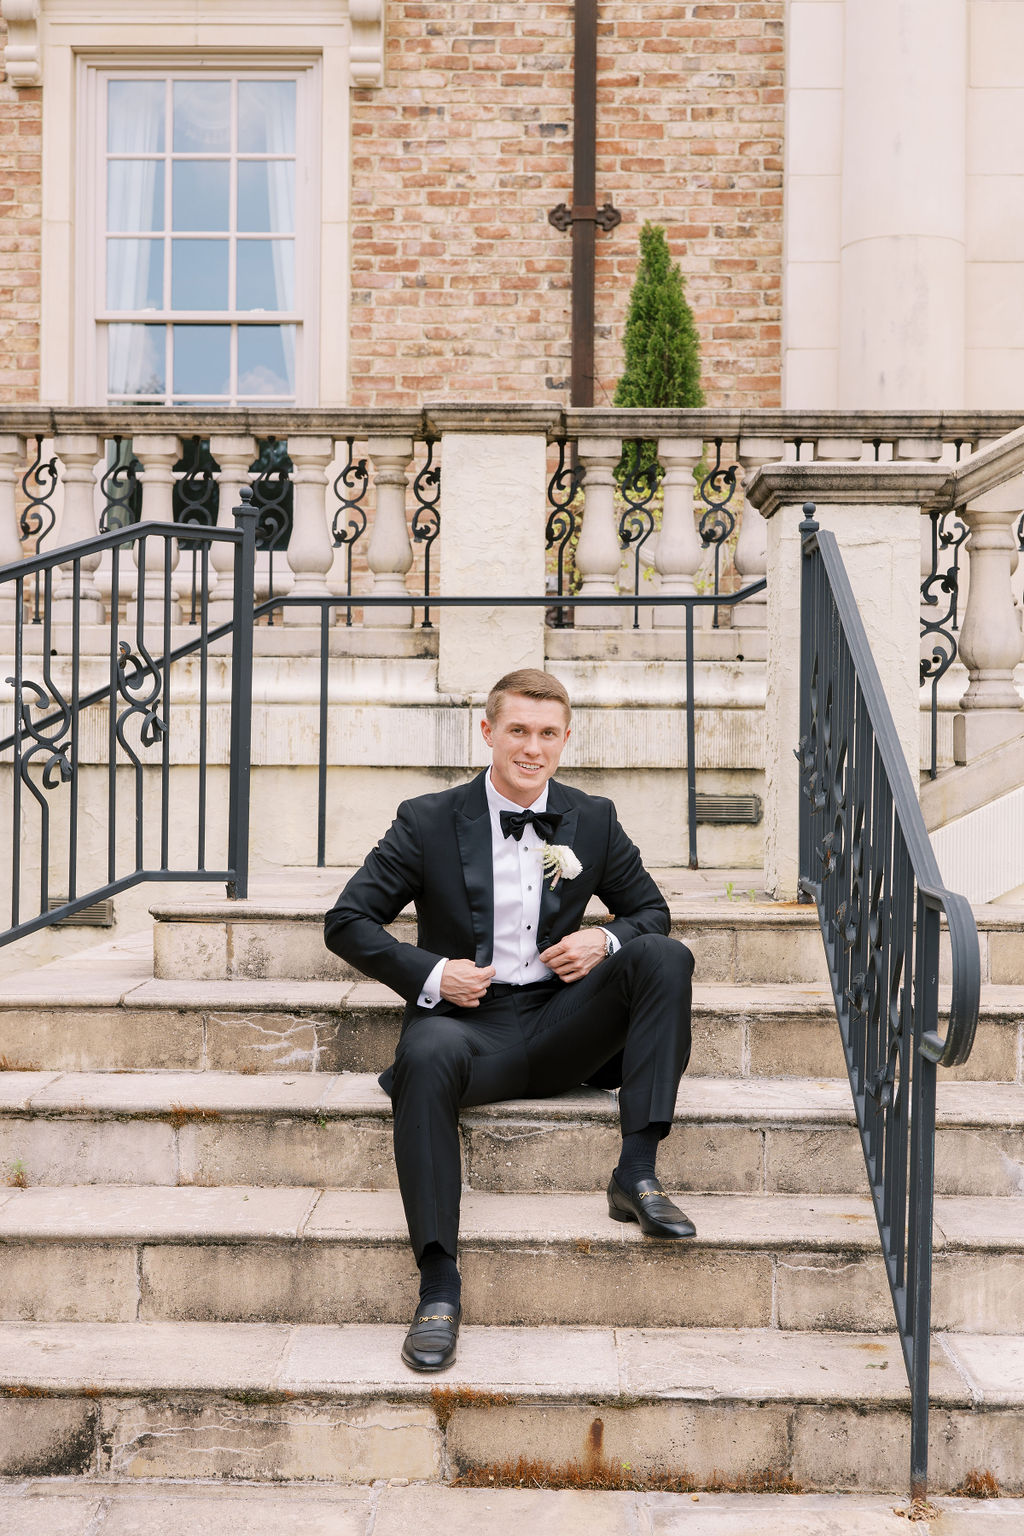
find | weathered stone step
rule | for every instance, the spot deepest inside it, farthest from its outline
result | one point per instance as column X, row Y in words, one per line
column 117, row 1253
column 109, row 1014
column 279, row 1404
column 732, row 1135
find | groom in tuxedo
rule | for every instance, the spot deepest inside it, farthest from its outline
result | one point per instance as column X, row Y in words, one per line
column 507, row 995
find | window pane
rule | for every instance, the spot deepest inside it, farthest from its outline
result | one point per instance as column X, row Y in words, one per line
column 135, row 274
column 135, row 194
column 266, row 117
column 202, row 359
column 266, row 196
column 135, row 359
column 135, row 117
column 266, row 359
column 202, row 116
column 266, row 274
column 199, row 274
column 200, row 194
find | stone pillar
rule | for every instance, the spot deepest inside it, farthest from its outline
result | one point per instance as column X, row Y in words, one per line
column 234, row 455
column 874, row 511
column 12, row 459
column 310, row 552
column 158, row 455
column 389, row 554
column 679, row 551
column 493, row 511
column 990, row 637
column 79, row 455
column 598, row 553
column 903, row 217
column 752, row 545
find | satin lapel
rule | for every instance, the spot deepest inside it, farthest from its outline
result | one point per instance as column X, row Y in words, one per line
column 551, row 900
column 473, row 830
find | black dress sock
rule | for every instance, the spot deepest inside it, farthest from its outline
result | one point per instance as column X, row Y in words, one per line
column 638, row 1155
column 439, row 1277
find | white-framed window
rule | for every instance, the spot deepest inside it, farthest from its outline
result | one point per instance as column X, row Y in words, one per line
column 201, row 234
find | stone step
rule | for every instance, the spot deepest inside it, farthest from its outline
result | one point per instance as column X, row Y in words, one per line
column 106, row 1012
column 81, row 1507
column 733, row 1135
column 269, row 1403
column 239, row 1254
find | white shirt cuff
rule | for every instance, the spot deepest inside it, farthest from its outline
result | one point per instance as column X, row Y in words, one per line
column 431, row 994
column 615, row 945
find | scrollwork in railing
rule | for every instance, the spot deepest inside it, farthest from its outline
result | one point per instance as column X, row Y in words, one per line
column 350, row 487
column 120, row 488
column 38, row 516
column 426, row 522
column 196, row 500
column 562, row 523
column 638, row 490
column 49, row 736
column 272, row 495
column 140, row 685
column 717, row 523
column 940, row 632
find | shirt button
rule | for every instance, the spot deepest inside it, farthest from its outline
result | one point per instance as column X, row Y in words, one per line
column 528, row 926
column 529, row 887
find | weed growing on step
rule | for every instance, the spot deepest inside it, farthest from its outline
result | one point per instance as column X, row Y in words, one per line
column 20, row 1391
column 445, row 1401
column 978, row 1485
column 917, row 1509
column 7, row 1065
column 602, row 1475
column 260, row 1399
column 17, row 1178
column 183, row 1114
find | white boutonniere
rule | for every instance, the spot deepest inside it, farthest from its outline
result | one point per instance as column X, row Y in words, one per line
column 560, row 862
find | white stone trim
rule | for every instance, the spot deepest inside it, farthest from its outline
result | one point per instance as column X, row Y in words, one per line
column 22, row 59
column 366, row 45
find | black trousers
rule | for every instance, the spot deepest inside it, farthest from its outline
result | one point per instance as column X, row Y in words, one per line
column 626, row 1024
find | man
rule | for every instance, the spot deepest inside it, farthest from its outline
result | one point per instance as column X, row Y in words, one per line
column 507, row 995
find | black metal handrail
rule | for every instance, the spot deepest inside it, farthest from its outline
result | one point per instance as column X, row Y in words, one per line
column 866, row 861
column 138, row 696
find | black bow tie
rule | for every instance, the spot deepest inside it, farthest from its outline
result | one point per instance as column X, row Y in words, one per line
column 513, row 822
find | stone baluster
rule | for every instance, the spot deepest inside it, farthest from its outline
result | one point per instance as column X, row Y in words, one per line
column 234, row 455
column 310, row 552
column 990, row 637
column 837, row 450
column 158, row 455
column 389, row 555
column 679, row 551
column 12, row 458
column 751, row 555
column 598, row 555
column 79, row 454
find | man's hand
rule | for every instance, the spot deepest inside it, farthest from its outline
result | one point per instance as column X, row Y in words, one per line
column 464, row 983
column 575, row 956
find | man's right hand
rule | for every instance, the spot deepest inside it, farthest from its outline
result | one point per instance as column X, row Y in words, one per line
column 464, row 983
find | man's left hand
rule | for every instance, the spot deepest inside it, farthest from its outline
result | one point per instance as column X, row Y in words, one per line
column 575, row 956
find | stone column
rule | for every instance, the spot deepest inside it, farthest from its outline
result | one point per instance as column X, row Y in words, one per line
column 234, row 455
column 903, row 218
column 598, row 553
column 679, row 551
column 310, row 552
column 990, row 637
column 874, row 511
column 389, row 554
column 12, row 459
column 752, row 545
column 79, row 455
column 158, row 456
column 493, row 510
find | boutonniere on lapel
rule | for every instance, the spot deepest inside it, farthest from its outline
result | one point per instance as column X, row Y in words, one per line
column 559, row 862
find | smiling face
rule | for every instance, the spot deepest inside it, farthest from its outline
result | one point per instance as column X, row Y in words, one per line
column 527, row 740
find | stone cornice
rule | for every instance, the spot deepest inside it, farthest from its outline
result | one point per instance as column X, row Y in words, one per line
column 904, row 484
column 501, row 419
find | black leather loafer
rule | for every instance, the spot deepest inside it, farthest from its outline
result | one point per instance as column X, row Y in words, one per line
column 430, row 1343
column 648, row 1204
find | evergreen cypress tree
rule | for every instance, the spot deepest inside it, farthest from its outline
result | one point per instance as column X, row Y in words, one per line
column 660, row 343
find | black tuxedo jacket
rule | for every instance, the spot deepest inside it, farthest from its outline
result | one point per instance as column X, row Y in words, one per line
column 437, row 854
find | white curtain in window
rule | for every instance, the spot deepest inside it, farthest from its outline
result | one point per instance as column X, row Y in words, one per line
column 130, row 194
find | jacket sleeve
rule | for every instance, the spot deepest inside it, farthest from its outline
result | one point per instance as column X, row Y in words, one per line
column 354, row 928
column 628, row 891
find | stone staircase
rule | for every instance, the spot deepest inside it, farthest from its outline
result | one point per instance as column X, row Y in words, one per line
column 205, row 1270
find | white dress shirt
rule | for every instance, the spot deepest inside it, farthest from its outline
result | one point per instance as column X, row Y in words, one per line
column 518, row 878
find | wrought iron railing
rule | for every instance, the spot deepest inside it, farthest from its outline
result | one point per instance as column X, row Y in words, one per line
column 146, row 707
column 866, row 861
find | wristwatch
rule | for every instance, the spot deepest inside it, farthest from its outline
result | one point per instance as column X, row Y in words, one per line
column 608, row 950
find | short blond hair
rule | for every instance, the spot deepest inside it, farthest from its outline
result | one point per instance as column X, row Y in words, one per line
column 529, row 683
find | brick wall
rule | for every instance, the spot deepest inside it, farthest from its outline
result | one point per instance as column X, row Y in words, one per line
column 461, row 287
column 20, row 211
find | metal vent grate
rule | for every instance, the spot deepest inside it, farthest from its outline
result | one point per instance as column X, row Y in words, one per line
column 99, row 915
column 729, row 808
